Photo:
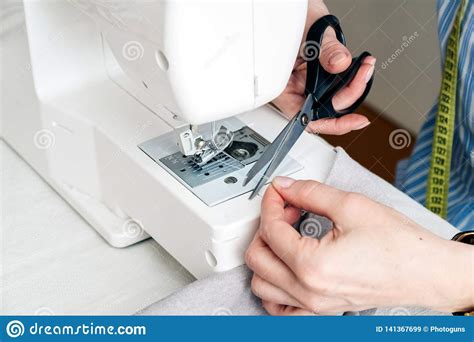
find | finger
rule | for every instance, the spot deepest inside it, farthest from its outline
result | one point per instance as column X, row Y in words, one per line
column 280, row 236
column 339, row 126
column 280, row 309
column 289, row 102
column 354, row 90
column 276, row 309
column 262, row 261
column 334, row 56
column 310, row 195
column 298, row 78
column 292, row 214
column 270, row 269
column 274, row 271
column 269, row 292
column 273, row 206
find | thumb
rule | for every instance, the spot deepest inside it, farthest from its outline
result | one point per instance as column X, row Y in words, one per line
column 334, row 56
column 310, row 195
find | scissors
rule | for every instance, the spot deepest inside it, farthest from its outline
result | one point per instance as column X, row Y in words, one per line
column 320, row 88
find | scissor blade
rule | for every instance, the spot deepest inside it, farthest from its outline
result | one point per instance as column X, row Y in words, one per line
column 284, row 146
column 270, row 152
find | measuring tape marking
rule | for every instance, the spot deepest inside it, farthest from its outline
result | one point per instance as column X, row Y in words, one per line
column 438, row 178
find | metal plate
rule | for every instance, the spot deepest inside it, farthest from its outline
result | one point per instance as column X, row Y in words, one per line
column 246, row 139
column 194, row 175
column 245, row 149
column 222, row 177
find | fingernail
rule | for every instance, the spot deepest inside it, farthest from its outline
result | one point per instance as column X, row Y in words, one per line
column 337, row 57
column 369, row 74
column 372, row 61
column 365, row 124
column 283, row 182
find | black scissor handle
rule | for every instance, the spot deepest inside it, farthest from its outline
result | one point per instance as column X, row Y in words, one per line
column 314, row 39
column 323, row 85
column 339, row 81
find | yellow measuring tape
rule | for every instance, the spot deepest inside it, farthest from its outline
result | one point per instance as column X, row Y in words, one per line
column 438, row 178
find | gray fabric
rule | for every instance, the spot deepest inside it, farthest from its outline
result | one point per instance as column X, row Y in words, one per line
column 226, row 293
column 229, row 292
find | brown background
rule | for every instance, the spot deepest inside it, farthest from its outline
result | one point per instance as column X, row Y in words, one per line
column 371, row 145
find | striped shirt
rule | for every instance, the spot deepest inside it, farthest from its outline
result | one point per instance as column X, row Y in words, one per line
column 412, row 174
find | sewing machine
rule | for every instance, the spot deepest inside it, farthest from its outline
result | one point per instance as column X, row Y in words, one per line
column 152, row 112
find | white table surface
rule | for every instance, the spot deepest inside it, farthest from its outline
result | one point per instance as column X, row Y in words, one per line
column 53, row 262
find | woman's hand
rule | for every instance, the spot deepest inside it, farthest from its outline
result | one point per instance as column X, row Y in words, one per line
column 335, row 58
column 373, row 257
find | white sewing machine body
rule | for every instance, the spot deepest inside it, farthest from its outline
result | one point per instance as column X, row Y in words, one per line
column 116, row 80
